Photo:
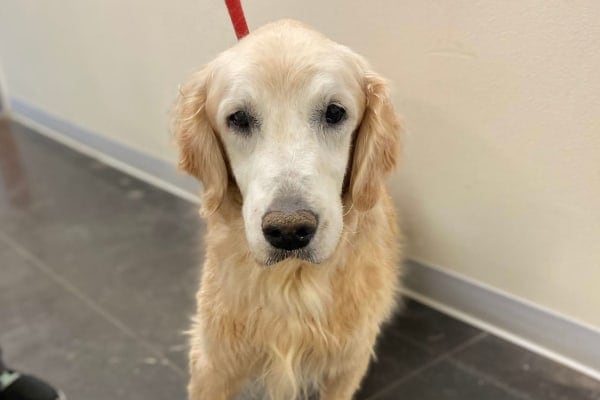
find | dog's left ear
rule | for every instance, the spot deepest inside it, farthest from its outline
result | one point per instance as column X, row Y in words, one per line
column 376, row 145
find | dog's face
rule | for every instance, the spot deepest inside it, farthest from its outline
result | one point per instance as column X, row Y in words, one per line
column 277, row 115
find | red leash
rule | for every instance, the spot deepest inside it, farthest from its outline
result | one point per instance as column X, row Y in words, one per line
column 236, row 12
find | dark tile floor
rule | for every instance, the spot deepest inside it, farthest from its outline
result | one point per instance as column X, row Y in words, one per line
column 97, row 277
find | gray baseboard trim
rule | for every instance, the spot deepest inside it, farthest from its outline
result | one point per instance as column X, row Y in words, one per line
column 516, row 320
column 542, row 331
column 123, row 157
column 4, row 106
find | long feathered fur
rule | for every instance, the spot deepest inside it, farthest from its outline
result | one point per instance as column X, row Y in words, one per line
column 295, row 327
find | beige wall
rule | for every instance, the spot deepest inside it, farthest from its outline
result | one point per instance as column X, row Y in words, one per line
column 501, row 174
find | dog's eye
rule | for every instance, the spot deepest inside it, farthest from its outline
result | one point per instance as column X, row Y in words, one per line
column 334, row 114
column 240, row 120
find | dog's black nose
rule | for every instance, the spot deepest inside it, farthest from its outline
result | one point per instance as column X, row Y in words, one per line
column 289, row 230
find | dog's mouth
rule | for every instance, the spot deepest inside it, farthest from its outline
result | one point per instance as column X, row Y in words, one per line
column 277, row 255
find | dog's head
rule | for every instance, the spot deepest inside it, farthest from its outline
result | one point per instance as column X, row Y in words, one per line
column 301, row 125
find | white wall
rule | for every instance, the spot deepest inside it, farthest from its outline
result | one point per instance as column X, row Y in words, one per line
column 111, row 66
column 501, row 174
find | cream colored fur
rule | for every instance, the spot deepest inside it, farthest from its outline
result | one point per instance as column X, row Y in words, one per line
column 295, row 326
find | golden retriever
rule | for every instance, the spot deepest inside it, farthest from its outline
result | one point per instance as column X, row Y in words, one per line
column 292, row 135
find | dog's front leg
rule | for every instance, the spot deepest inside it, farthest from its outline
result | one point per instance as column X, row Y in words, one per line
column 343, row 384
column 208, row 382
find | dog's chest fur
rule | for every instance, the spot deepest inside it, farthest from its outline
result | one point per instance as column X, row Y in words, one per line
column 294, row 325
column 289, row 327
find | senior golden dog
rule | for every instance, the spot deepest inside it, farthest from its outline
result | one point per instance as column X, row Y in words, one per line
column 292, row 135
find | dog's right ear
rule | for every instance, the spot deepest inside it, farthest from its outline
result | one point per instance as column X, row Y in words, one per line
column 200, row 151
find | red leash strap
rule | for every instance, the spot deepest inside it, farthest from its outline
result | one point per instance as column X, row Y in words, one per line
column 236, row 12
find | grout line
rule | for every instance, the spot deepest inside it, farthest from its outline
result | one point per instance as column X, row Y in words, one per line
column 69, row 287
column 423, row 346
column 429, row 364
column 410, row 340
column 488, row 378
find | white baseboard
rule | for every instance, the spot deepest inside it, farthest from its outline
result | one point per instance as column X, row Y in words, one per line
column 542, row 331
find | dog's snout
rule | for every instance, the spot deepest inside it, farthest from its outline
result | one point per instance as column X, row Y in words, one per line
column 289, row 230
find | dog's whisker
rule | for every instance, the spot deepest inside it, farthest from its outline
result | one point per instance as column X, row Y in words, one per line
column 349, row 242
column 349, row 209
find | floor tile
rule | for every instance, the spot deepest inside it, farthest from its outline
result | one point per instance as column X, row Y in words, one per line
column 446, row 382
column 415, row 336
column 128, row 253
column 49, row 332
column 395, row 359
column 429, row 328
column 537, row 377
